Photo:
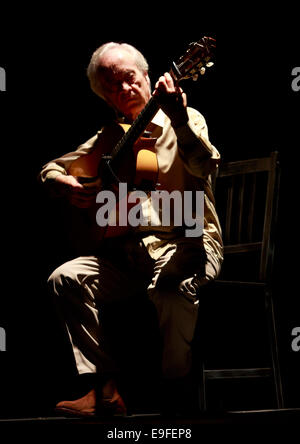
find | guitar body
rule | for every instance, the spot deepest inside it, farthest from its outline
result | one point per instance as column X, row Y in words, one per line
column 138, row 164
column 136, row 167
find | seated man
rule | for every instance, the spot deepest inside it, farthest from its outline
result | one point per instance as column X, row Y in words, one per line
column 159, row 259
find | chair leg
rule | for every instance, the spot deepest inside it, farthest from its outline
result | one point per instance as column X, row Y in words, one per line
column 202, row 389
column 274, row 348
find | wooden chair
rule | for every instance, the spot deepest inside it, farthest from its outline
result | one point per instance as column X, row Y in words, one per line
column 247, row 201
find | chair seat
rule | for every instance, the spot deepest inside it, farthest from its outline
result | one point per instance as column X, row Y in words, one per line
column 238, row 373
column 220, row 283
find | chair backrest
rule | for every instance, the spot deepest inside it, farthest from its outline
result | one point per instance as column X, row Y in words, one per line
column 247, row 200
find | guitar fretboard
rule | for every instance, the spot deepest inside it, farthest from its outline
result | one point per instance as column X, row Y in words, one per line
column 136, row 129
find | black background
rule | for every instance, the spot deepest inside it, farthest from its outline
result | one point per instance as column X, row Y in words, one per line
column 48, row 110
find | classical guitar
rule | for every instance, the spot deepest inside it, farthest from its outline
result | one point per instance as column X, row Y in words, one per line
column 123, row 153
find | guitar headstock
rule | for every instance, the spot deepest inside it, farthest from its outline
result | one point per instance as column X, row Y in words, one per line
column 196, row 59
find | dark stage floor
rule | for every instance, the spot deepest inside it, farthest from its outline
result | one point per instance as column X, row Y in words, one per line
column 151, row 421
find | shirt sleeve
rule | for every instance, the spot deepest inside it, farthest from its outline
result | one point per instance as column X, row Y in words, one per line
column 61, row 165
column 199, row 156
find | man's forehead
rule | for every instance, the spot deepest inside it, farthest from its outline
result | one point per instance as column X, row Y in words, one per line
column 117, row 60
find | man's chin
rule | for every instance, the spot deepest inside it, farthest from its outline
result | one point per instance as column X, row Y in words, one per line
column 132, row 110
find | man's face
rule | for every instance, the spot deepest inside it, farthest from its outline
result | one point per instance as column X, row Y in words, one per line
column 124, row 86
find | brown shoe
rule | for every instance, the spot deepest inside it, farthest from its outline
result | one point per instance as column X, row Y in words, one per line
column 85, row 406
column 111, row 402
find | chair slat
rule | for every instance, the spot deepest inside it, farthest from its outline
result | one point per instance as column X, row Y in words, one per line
column 242, row 248
column 227, row 231
column 245, row 166
column 241, row 208
column 252, row 195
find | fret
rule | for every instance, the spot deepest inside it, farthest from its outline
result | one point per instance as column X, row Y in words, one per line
column 138, row 126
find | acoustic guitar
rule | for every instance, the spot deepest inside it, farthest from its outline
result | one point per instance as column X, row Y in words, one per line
column 124, row 153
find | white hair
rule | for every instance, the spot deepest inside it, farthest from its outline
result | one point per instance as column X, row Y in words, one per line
column 95, row 63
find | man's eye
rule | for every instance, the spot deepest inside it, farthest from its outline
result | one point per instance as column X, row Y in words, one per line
column 113, row 86
column 130, row 78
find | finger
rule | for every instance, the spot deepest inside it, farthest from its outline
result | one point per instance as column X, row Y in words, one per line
column 70, row 181
column 169, row 81
column 161, row 84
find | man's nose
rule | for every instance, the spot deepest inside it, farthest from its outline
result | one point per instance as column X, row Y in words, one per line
column 125, row 87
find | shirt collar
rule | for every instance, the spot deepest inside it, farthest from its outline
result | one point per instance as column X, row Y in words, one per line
column 157, row 120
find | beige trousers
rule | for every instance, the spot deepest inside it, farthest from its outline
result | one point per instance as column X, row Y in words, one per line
column 85, row 286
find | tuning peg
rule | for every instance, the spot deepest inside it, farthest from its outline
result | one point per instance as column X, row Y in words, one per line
column 209, row 64
column 202, row 70
column 195, row 77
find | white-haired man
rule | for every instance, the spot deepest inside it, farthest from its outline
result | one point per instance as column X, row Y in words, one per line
column 159, row 260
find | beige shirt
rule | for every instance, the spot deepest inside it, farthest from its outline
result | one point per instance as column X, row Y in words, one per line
column 186, row 161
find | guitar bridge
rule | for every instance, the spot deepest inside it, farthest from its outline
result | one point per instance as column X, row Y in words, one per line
column 147, row 134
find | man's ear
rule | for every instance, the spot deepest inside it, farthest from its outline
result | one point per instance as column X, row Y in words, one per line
column 147, row 78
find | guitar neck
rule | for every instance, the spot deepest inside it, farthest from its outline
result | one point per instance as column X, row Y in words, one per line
column 194, row 61
column 137, row 128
